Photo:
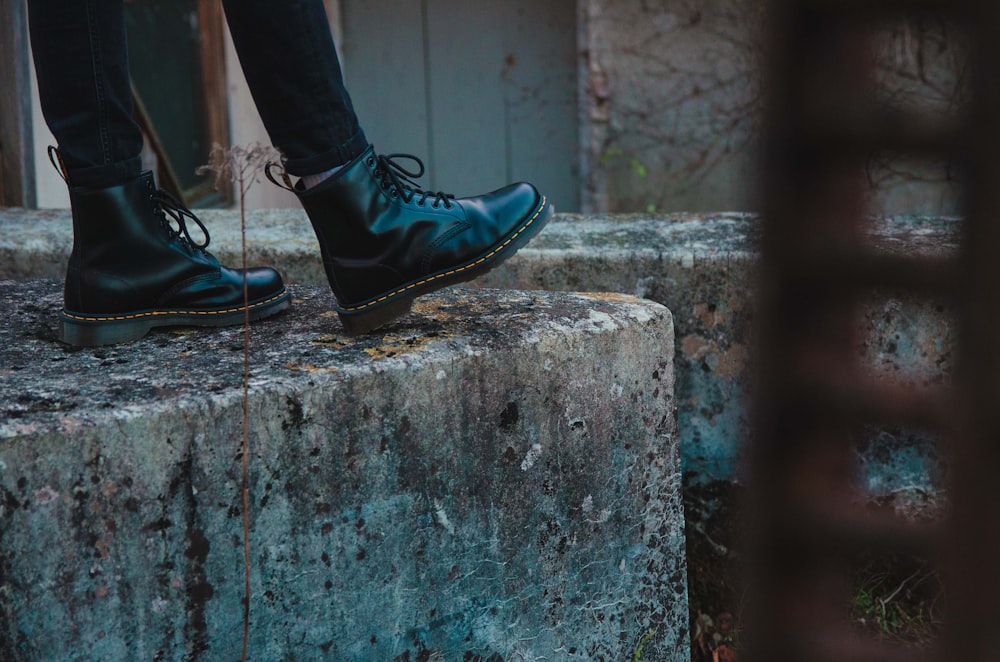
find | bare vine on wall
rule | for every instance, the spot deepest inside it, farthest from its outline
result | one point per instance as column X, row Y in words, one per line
column 676, row 88
column 922, row 65
column 683, row 100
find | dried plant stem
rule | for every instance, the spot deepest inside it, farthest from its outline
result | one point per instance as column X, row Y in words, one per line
column 242, row 165
column 245, row 448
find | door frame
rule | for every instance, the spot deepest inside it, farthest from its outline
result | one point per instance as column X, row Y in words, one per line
column 17, row 161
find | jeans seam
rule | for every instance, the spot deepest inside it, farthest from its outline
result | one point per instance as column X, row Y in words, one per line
column 97, row 62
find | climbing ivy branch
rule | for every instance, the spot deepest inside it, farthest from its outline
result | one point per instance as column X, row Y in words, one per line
column 242, row 166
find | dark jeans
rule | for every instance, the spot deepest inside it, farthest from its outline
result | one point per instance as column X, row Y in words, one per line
column 287, row 55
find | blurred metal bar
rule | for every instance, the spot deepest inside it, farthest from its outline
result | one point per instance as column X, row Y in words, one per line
column 843, row 646
column 850, row 269
column 848, row 133
column 856, row 397
column 868, row 10
column 820, row 126
column 825, row 526
column 972, row 633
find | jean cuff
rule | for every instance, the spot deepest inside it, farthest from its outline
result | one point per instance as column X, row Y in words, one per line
column 347, row 151
column 105, row 176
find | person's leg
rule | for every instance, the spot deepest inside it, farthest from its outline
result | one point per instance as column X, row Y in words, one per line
column 384, row 241
column 133, row 266
column 81, row 65
column 291, row 66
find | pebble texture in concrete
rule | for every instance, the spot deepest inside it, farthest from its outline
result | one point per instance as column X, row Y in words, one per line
column 493, row 475
column 700, row 266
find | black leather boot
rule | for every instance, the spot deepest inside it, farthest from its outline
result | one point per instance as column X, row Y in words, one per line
column 132, row 269
column 385, row 241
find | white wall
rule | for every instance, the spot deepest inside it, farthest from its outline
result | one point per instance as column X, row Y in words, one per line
column 245, row 128
column 49, row 187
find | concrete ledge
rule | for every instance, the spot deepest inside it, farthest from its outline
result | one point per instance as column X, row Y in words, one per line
column 36, row 243
column 698, row 265
column 496, row 474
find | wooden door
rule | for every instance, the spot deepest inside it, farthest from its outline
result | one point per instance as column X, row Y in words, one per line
column 484, row 92
column 17, row 166
column 177, row 61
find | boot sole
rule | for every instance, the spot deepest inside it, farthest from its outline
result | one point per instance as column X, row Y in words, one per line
column 97, row 330
column 390, row 306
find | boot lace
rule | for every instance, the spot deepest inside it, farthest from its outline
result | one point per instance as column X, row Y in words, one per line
column 400, row 180
column 173, row 212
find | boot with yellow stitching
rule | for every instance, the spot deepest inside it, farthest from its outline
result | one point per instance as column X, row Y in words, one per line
column 385, row 241
column 134, row 266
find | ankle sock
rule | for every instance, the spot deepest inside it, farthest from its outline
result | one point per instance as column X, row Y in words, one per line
column 310, row 181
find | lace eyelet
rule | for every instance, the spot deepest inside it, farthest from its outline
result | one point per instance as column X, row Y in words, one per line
column 394, row 193
column 371, row 161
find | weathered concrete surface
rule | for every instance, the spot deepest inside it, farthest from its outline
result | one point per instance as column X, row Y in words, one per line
column 496, row 474
column 700, row 266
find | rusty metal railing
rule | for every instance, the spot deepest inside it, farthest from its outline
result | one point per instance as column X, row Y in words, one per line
column 821, row 125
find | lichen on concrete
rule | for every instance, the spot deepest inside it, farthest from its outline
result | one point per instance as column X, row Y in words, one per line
column 495, row 474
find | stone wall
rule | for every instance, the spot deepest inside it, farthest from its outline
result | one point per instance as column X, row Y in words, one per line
column 495, row 476
column 701, row 266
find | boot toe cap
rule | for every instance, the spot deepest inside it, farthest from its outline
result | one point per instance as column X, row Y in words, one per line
column 263, row 283
column 507, row 207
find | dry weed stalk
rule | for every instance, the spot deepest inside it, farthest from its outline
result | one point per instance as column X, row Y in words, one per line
column 242, row 166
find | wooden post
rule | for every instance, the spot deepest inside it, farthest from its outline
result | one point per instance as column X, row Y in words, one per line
column 17, row 164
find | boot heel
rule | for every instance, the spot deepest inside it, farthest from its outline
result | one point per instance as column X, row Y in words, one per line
column 358, row 323
column 95, row 334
